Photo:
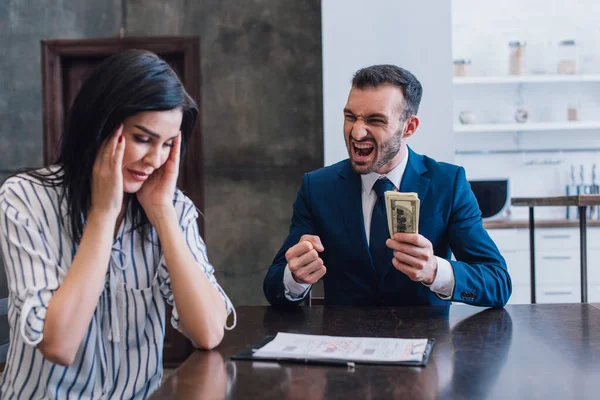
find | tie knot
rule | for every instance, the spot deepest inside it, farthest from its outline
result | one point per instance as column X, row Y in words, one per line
column 382, row 185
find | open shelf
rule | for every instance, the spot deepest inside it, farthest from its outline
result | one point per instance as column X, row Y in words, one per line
column 528, row 127
column 555, row 78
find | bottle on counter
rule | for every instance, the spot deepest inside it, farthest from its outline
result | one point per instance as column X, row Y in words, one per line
column 567, row 57
column 572, row 189
column 594, row 211
column 516, row 58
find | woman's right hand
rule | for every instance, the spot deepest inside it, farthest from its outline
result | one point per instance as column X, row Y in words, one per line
column 107, row 176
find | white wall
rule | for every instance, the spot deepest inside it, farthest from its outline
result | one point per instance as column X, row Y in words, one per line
column 481, row 31
column 415, row 35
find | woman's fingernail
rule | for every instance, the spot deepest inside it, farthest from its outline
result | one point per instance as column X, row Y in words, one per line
column 120, row 138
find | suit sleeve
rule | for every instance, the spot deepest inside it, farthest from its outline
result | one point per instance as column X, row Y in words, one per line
column 302, row 224
column 481, row 275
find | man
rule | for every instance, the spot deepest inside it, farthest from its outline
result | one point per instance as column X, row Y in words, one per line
column 339, row 229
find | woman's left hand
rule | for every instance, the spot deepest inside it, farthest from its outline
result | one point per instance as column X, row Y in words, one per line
column 157, row 193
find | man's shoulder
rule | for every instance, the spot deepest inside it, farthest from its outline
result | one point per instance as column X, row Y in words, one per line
column 440, row 169
column 328, row 173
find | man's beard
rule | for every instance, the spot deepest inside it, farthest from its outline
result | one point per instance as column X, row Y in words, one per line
column 385, row 153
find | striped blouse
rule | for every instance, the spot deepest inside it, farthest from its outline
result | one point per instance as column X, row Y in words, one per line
column 121, row 353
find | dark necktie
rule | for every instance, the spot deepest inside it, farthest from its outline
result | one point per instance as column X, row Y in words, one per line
column 380, row 253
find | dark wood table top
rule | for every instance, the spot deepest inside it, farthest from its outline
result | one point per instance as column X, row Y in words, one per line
column 542, row 351
column 579, row 200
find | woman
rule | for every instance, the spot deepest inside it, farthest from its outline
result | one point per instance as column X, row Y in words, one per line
column 97, row 245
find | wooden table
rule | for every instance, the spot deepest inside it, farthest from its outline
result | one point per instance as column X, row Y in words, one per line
column 543, row 351
column 581, row 202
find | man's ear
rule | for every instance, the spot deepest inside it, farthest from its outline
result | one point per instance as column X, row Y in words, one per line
column 411, row 126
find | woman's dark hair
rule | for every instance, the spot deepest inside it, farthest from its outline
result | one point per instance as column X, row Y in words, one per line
column 121, row 86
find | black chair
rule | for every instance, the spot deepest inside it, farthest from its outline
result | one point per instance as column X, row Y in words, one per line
column 3, row 339
column 3, row 318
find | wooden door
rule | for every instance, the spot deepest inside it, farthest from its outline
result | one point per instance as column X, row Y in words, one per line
column 65, row 65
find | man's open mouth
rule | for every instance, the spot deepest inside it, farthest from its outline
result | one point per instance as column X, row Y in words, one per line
column 363, row 149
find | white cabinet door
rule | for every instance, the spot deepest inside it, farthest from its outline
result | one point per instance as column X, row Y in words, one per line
column 593, row 293
column 593, row 267
column 557, row 267
column 510, row 239
column 557, row 263
column 558, row 294
column 518, row 266
column 520, row 294
column 557, row 239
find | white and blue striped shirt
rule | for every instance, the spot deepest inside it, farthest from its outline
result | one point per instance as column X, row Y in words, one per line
column 121, row 353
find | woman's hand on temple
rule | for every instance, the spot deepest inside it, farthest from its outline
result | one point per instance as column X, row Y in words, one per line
column 157, row 193
column 107, row 176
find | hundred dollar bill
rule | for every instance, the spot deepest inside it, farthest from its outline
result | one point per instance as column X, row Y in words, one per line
column 402, row 212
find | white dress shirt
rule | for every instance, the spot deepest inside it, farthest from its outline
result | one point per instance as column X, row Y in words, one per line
column 443, row 284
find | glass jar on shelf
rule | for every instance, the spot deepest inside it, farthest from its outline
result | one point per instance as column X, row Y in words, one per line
column 516, row 58
column 573, row 111
column 567, row 57
column 462, row 67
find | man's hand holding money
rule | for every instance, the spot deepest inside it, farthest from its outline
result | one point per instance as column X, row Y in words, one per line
column 413, row 256
column 413, row 253
column 303, row 260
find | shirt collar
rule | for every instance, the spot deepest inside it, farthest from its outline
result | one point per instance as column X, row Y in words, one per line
column 395, row 176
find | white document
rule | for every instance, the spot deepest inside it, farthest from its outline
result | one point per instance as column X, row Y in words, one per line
column 366, row 349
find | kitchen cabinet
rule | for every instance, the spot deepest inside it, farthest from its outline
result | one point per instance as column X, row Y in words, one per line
column 557, row 263
column 514, row 247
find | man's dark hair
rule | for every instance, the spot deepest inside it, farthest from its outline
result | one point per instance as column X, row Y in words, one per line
column 377, row 75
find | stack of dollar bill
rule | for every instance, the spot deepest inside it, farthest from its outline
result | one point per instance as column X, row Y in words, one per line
column 402, row 212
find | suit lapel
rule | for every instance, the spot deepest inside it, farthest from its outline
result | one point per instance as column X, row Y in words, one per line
column 413, row 181
column 349, row 190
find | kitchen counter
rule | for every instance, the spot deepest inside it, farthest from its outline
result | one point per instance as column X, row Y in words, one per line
column 578, row 201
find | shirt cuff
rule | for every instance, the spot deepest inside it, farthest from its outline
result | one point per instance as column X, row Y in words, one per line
column 293, row 290
column 443, row 284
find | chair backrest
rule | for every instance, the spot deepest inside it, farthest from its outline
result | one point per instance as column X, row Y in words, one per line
column 4, row 336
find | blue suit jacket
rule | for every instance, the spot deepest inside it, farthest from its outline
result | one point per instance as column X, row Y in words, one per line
column 329, row 205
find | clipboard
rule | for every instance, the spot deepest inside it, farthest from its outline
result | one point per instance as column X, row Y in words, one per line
column 247, row 355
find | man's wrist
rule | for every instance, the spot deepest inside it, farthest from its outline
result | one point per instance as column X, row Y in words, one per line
column 444, row 281
column 293, row 289
column 435, row 269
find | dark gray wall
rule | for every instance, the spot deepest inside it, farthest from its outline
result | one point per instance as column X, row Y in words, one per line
column 261, row 107
column 23, row 23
